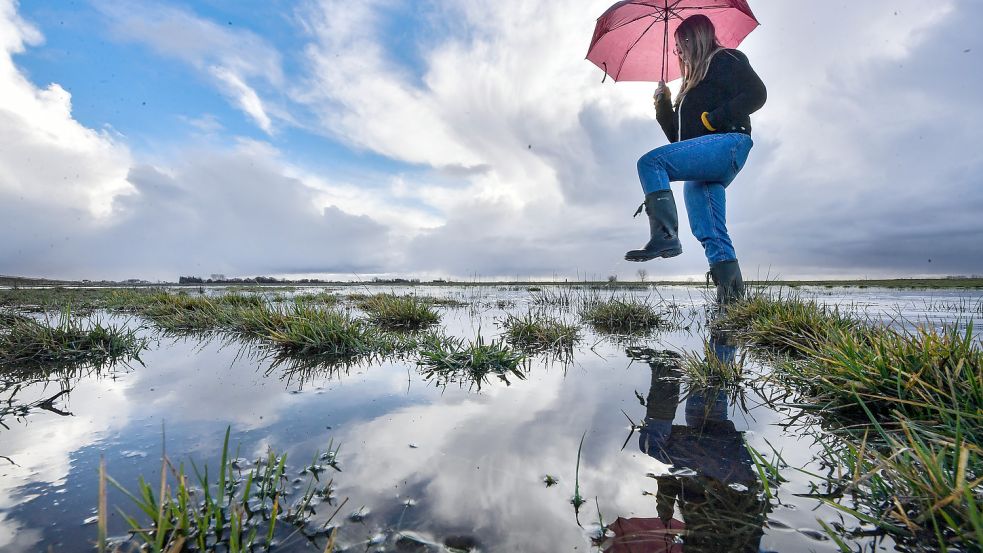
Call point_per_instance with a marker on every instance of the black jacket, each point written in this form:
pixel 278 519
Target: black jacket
pixel 730 93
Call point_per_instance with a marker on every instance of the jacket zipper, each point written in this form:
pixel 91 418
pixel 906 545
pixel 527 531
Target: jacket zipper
pixel 679 120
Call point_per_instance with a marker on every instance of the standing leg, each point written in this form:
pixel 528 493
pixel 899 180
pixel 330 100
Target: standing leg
pixel 706 206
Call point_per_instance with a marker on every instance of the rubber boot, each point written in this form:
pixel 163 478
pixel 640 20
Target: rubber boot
pixel 730 286
pixel 663 228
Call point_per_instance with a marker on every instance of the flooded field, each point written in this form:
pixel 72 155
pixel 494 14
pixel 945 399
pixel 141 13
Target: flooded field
pixel 607 443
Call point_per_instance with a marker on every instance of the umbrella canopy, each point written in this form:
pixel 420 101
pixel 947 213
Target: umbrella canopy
pixel 633 39
pixel 651 535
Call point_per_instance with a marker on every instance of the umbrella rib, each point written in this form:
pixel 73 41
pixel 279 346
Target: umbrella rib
pixel 615 28
pixel 637 40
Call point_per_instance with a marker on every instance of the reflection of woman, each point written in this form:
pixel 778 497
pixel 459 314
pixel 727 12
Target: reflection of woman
pixel 718 497
pixel 709 128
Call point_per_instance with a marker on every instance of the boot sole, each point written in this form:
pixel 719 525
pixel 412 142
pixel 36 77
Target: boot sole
pixel 662 254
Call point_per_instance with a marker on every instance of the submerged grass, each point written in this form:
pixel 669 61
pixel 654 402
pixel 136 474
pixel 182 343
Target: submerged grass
pixel 67 342
pixel 921 492
pixel 536 332
pixel 230 513
pixel 448 359
pixel 399 312
pixel 711 367
pixel 786 324
pixel 905 407
pixel 934 377
pixel 304 330
pixel 627 315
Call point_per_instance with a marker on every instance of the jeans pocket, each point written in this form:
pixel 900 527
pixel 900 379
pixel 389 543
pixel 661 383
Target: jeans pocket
pixel 741 150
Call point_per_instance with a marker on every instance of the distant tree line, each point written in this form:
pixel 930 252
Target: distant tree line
pixel 247 280
pixel 273 280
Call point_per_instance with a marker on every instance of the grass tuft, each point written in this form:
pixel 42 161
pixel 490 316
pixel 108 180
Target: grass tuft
pixel 624 316
pixel 65 343
pixel 451 359
pixel 536 332
pixel 931 376
pixel 228 512
pixel 785 324
pixel 713 367
pixel 905 406
pixel 399 312
pixel 302 329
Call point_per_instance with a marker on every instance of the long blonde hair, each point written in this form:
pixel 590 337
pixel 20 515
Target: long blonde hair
pixel 697 39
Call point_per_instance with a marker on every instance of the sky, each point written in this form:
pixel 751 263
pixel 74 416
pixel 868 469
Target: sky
pixel 466 139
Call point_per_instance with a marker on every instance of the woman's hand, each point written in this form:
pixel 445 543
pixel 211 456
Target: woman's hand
pixel 661 91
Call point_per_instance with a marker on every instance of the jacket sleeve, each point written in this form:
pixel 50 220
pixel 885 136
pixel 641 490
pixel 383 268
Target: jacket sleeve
pixel 666 117
pixel 751 94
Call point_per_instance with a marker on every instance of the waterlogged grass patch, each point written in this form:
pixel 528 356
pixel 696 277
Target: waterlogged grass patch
pixel 553 297
pixel 449 359
pixel 182 312
pixel 931 376
pixel 229 512
pixel 716 365
pixel 536 332
pixel 786 324
pixel 306 330
pixel 27 343
pixel 320 298
pixel 905 408
pixel 624 316
pixel 926 494
pixel 400 312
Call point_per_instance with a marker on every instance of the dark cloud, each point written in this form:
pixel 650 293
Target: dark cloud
pixel 217 212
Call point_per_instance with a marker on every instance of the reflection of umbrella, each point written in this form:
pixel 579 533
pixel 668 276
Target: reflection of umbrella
pixel 648 535
pixel 633 38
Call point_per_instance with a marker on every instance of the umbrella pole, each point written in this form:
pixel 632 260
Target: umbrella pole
pixel 665 44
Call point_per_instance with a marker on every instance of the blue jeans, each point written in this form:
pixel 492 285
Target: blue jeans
pixel 708 164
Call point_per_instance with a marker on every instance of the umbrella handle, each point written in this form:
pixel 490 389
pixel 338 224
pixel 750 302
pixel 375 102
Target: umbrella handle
pixel 605 64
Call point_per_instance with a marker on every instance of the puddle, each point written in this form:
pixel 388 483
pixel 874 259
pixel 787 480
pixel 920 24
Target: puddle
pixel 428 466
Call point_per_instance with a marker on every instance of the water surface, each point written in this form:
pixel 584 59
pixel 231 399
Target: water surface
pixel 426 464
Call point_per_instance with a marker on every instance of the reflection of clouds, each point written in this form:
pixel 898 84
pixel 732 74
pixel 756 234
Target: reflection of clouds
pixel 188 381
pixel 481 459
pixel 43 444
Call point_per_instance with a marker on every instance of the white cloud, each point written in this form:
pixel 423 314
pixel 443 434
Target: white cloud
pixel 45 154
pixel 245 97
pixel 508 91
pixel 235 60
pixel 524 163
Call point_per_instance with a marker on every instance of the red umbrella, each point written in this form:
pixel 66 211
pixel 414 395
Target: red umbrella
pixel 648 535
pixel 633 38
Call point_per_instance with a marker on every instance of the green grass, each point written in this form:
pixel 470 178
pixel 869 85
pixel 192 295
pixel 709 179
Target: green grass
pixel 784 323
pixel 399 312
pixel 706 369
pixel 321 298
pixel 535 332
pixel 626 315
pixel 78 300
pixel 222 509
pixel 186 313
pixel 932 376
pixel 304 330
pixel 65 342
pixel 924 493
pixel 904 409
pixel 448 359
pixel 553 296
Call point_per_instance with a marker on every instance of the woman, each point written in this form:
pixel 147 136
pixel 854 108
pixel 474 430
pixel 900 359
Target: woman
pixel 710 133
